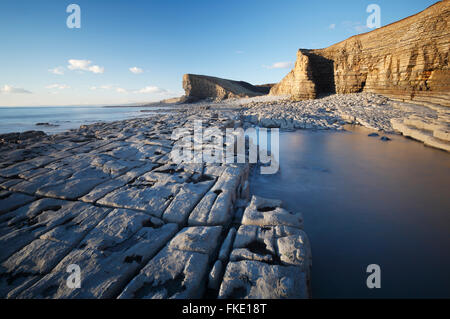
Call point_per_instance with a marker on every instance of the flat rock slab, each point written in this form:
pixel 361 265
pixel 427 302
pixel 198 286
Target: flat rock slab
pixel 108 257
pixel 197 239
pixel 180 270
pixel 10 201
pixel 257 280
pixel 171 274
pixel 79 184
pixel 216 207
pixel 40 256
pixel 151 198
pixel 271 256
pixel 185 201
pixel 268 212
pixel 281 245
pixel 27 223
pixel 110 185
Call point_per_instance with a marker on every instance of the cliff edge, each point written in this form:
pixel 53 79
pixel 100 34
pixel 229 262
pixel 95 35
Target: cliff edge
pixel 199 87
pixel 406 60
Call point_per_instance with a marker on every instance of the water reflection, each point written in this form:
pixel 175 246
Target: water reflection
pixel 367 201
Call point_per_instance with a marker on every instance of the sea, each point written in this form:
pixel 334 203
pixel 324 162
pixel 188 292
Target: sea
pixel 62 118
pixel 367 202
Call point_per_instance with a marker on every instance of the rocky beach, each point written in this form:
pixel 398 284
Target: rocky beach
pixel 109 198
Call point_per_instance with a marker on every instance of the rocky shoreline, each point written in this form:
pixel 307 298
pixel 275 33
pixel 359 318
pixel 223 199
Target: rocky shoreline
pixel 429 123
pixel 107 197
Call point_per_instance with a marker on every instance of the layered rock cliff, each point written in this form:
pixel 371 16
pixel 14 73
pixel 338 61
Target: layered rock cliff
pixel 406 60
pixel 202 86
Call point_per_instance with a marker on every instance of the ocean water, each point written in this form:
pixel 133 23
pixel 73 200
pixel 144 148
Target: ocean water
pixel 366 201
pixel 20 119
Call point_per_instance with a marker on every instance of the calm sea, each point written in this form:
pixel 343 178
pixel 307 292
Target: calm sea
pixel 20 119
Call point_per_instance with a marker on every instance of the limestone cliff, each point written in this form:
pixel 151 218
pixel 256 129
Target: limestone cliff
pixel 202 86
pixel 406 60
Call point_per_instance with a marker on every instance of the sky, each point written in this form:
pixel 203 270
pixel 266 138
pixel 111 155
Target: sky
pixel 136 51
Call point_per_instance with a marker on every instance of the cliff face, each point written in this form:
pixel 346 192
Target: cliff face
pixel 407 60
pixel 201 86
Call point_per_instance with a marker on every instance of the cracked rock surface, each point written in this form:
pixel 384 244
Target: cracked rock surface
pixel 108 198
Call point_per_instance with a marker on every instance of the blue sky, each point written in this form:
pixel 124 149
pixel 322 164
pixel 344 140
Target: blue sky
pixel 42 62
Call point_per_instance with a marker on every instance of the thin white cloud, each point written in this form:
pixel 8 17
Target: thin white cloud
pixel 121 90
pixel 280 65
pixel 85 65
pixel 145 90
pixel 14 90
pixel 239 52
pixel 135 70
pixel 102 87
pixel 58 70
pixel 57 86
pixel 332 26
pixel 151 89
pixel 355 26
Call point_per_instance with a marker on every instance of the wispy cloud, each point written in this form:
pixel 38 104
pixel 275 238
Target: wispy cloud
pixel 332 26
pixel 58 70
pixel 102 87
pixel 239 52
pixel 136 70
pixel 280 65
pixel 121 90
pixel 146 90
pixel 14 90
pixel 85 65
pixel 57 86
pixel 355 26
pixel 151 89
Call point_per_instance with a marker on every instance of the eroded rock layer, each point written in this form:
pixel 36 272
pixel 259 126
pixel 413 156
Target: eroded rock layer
pixel 198 87
pixel 406 60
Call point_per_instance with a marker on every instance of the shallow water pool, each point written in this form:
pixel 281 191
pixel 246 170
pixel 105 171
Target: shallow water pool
pixel 364 202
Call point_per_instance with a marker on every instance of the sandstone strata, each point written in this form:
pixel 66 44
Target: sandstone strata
pixel 406 60
pixel 201 87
